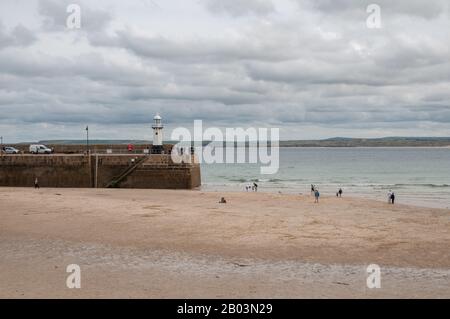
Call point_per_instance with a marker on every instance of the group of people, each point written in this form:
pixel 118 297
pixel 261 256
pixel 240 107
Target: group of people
pixel 316 193
pixel 391 197
pixel 253 188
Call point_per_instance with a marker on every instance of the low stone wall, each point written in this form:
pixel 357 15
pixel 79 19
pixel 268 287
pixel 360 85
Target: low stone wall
pixel 51 171
pixel 156 171
pixel 94 148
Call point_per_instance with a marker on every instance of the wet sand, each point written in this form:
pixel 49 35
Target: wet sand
pixel 184 244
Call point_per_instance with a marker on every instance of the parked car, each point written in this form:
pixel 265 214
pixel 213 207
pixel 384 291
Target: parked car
pixel 10 150
pixel 39 149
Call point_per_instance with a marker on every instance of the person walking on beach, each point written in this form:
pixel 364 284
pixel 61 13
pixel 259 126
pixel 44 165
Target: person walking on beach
pixel 389 197
pixel 316 195
pixel 340 192
pixel 312 189
pixel 255 187
pixel 36 183
pixel 392 198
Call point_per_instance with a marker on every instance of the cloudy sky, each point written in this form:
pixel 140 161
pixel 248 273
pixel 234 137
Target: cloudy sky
pixel 312 68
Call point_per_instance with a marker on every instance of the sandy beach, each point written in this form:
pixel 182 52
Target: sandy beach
pixel 184 244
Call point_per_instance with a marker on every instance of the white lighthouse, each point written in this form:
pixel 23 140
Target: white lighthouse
pixel 157 135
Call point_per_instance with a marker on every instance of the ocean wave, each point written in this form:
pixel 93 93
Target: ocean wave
pixel 424 185
pixel 383 186
pixel 300 182
pixel 260 180
pixel 239 180
pixel 276 180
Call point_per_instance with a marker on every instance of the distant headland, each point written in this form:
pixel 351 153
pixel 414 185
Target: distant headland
pixel 329 142
pixel 371 142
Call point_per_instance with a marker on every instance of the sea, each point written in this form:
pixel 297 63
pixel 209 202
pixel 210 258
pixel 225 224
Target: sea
pixel 417 175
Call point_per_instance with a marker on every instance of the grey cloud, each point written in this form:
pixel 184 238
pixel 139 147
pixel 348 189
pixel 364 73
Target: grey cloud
pixel 238 8
pixel 194 50
pixel 292 73
pixel 426 9
pixel 87 66
pixel 22 36
pixel 18 36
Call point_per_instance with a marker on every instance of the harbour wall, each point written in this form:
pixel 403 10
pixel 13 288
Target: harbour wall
pixel 98 170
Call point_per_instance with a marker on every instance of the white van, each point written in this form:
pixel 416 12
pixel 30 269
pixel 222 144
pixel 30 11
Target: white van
pixel 39 149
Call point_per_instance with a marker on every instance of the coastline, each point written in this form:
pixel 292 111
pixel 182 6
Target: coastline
pixel 171 235
pixel 416 175
pixel 402 199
